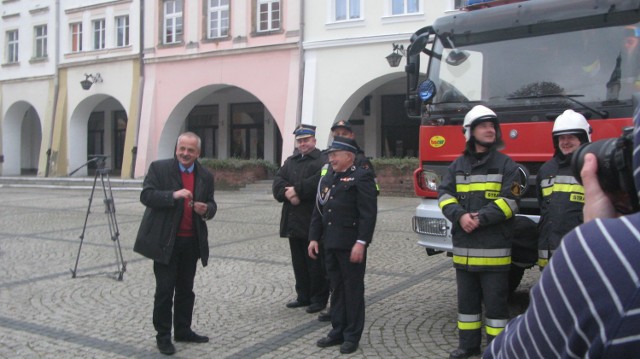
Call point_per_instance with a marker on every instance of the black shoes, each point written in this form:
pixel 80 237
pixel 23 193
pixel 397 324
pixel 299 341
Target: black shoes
pixel 328 342
pixel 191 337
pixel 297 304
pixel 348 347
pixel 464 353
pixel 315 307
pixel 324 317
pixel 165 346
pixel 345 347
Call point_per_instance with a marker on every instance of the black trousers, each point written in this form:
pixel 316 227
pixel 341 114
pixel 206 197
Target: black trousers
pixel 492 288
pixel 311 282
pixel 174 288
pixel 347 296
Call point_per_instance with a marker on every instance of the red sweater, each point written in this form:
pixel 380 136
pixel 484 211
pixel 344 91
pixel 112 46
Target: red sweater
pixel 186 223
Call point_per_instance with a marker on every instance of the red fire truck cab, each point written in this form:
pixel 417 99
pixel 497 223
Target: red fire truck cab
pixel 528 61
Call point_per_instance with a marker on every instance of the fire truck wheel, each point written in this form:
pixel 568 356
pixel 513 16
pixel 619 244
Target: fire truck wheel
pixel 515 277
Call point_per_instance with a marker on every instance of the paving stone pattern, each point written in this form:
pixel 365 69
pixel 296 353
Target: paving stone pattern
pixel 240 296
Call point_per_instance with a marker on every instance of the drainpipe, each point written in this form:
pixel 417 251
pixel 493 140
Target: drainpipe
pixel 56 85
pixel 134 150
pixel 301 66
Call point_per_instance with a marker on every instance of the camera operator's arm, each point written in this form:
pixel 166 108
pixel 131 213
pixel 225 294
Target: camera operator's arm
pixel 596 202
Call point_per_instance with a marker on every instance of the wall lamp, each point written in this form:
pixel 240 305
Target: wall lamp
pixel 395 57
pixel 90 80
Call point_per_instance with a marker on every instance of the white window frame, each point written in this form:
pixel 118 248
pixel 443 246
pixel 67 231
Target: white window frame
pixel 348 8
pixel 270 15
pixel 75 32
pixel 13 46
pixel 122 30
pixel 40 41
pixel 218 13
pixel 172 22
pixel 99 34
pixel 405 7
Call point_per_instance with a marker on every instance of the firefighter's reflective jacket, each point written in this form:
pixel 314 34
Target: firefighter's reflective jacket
pixel 490 186
pixel 561 199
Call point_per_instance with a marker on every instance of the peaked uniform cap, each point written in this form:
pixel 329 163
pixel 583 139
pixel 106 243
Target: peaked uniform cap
pixel 342 123
pixel 343 144
pixel 304 131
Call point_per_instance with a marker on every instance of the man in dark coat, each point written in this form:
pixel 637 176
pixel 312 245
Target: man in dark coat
pixel 295 187
pixel 343 221
pixel 343 128
pixel 178 194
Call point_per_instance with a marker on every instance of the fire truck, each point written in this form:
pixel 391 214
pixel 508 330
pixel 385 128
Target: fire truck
pixel 528 61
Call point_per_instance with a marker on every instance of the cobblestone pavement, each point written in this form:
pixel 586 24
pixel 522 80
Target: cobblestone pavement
pixel 240 296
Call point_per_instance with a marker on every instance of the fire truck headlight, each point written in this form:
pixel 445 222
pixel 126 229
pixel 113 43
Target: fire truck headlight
pixel 426 90
pixel 431 180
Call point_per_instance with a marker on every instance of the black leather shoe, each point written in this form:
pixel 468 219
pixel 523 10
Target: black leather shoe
pixel 328 342
pixel 192 338
pixel 324 317
pixel 464 353
pixel 348 347
pixel 165 346
pixel 315 307
pixel 297 304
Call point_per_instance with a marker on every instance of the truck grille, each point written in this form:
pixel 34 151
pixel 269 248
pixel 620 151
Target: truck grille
pixel 430 226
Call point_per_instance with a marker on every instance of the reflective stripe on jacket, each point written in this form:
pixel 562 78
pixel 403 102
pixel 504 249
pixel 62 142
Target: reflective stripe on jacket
pixel 490 187
pixel 561 199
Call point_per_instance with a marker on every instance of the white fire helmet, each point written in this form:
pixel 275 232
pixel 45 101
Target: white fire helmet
pixel 571 122
pixel 479 113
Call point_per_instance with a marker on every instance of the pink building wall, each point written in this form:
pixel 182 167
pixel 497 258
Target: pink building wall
pixel 172 89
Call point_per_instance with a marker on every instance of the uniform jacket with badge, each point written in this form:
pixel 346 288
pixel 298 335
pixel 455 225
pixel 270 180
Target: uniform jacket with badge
pixel 161 219
pixel 362 160
pixel 346 209
pixel 489 185
pixel 561 199
pixel 303 173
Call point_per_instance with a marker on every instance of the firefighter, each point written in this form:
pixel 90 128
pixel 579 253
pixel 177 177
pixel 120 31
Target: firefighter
pixel 342 128
pixel 479 195
pixel 560 196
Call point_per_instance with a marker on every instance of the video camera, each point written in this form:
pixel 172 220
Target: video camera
pixel 615 169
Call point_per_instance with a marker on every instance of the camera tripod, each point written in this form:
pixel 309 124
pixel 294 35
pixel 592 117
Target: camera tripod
pixel 110 210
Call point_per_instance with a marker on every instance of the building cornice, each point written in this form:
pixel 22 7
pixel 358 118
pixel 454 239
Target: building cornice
pixel 356 41
pixel 39 10
pixel 96 6
pixel 22 80
pixel 97 62
pixel 10 16
pixel 219 53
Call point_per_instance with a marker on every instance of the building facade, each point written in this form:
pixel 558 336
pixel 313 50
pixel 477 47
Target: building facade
pixel 120 79
pixel 27 81
pixel 227 70
pixel 348 77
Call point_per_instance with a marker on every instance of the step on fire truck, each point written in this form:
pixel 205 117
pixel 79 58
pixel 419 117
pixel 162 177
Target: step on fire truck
pixel 528 61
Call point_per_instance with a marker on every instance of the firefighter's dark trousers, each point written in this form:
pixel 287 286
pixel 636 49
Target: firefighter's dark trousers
pixel 474 288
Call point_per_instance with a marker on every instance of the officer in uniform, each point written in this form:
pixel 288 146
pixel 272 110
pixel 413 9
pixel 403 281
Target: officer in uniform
pixel 479 195
pixel 342 128
pixel 344 219
pixel 560 196
pixel 295 187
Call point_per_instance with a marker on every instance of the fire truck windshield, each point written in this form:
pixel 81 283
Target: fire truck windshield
pixel 591 68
